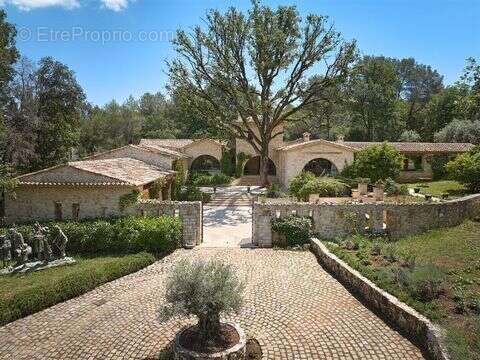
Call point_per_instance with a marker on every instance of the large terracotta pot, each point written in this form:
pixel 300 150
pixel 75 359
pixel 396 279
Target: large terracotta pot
pixel 236 352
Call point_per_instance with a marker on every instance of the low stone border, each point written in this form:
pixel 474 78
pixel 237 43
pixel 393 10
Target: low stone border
pixel 409 321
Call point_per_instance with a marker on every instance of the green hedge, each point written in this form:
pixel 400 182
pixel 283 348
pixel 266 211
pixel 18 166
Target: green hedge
pixel 193 193
pixel 296 229
pixel 120 235
pixel 25 294
pixel 203 178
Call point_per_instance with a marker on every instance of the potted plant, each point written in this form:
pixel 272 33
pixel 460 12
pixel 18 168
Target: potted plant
pixel 206 289
pixel 378 190
pixel 363 186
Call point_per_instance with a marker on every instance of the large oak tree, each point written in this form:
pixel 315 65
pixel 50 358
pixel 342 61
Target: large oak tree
pixel 250 70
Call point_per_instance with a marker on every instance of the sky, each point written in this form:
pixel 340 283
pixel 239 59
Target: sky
pixel 119 48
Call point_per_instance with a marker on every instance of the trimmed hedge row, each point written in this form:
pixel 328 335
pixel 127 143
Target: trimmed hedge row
pixel 120 235
pixel 74 280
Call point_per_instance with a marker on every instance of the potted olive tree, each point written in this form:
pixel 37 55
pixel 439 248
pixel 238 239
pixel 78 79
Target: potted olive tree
pixel 206 289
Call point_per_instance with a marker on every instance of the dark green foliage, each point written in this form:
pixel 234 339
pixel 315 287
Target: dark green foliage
pixel 193 193
pixel 179 179
pixel 55 285
pixel 130 234
pixel 299 181
pixel 392 188
pixel 466 170
pixel 129 199
pixel 241 160
pixel 296 229
pixel 226 164
pixel 60 105
pixel 377 162
pixel 438 162
pixel 274 191
pixel 203 178
pixel 325 187
pixel 8 54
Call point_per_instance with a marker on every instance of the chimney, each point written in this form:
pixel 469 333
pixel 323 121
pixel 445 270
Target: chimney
pixel 340 138
pixel 306 136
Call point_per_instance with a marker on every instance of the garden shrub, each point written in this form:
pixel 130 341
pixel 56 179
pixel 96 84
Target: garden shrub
pixel 193 193
pixel 203 178
pixel 299 181
pixel 119 235
pixel 296 229
pixel 274 191
pixel 425 283
pixel 392 188
pixel 410 136
pixel 377 162
pixel 149 234
pixel 179 179
pixel 466 170
pixel 437 163
pixel 42 294
pixel 325 187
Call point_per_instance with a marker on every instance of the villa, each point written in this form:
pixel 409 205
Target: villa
pixel 94 187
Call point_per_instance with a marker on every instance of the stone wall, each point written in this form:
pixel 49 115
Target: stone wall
pixel 189 211
pixel 414 325
pixel 37 203
pixel 396 220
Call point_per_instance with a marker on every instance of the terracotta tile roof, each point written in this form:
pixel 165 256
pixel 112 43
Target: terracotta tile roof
pixel 171 143
pixel 164 151
pixel 49 183
pixel 126 170
pixel 416 147
pixel 301 144
pixel 175 143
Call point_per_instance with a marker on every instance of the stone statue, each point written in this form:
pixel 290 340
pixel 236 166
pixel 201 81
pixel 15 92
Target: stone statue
pixel 41 247
pixel 59 242
pixel 20 249
pixel 5 250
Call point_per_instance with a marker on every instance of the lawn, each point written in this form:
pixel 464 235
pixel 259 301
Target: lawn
pixel 24 294
pixel 437 273
pixel 438 188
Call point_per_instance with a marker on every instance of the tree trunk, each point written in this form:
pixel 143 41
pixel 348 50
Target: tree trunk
pixel 264 168
pixel 209 327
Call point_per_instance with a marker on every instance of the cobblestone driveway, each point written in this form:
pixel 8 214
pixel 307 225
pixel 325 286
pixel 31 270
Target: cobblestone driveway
pixel 292 306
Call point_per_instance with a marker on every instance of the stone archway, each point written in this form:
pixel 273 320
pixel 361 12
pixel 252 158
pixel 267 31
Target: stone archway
pixel 252 167
pixel 205 163
pixel 321 167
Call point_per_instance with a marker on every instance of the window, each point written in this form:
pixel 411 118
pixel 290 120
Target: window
pixel 75 211
pixel 58 211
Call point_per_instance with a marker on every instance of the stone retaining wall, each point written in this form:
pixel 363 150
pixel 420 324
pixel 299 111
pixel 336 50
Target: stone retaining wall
pixel 406 319
pixel 396 220
pixel 189 211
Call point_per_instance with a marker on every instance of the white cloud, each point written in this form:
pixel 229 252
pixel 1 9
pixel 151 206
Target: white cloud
pixel 34 4
pixel 116 5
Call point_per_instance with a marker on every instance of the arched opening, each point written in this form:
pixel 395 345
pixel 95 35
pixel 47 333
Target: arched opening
pixel 252 167
pixel 321 167
pixel 205 163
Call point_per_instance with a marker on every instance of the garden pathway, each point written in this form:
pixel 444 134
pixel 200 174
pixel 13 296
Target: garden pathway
pixel 227 226
pixel 292 306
